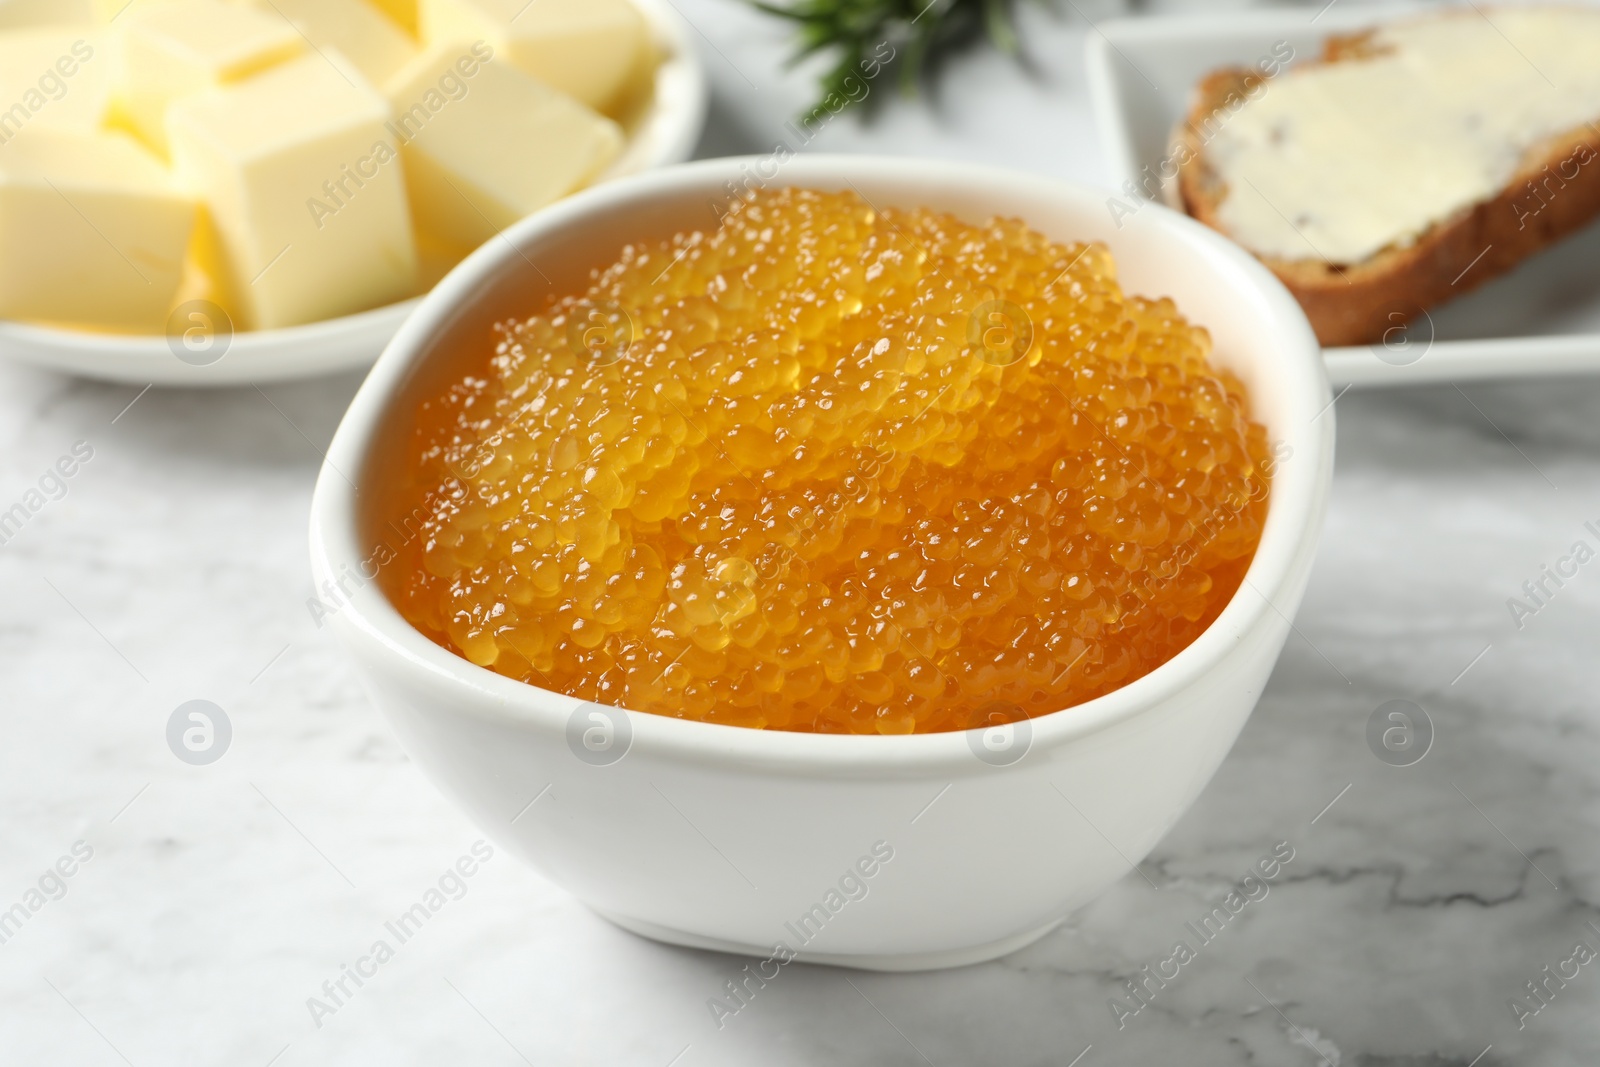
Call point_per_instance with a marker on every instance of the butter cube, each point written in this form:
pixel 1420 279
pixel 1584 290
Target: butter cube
pixel 171 50
pixel 56 76
pixel 371 42
pixel 402 12
pixel 43 12
pixel 203 275
pixel 92 231
pixel 588 49
pixel 306 192
pixel 484 144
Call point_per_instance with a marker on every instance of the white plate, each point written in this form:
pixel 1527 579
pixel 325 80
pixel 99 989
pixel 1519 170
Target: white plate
pixel 667 133
pixel 1542 319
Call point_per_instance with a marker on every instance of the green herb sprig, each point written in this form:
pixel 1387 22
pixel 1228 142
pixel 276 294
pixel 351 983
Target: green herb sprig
pixel 917 33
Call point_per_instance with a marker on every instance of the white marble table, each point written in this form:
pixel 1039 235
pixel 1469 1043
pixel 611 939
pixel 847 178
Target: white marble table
pixel 219 898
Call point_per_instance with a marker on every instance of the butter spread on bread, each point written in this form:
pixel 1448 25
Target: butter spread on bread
pixel 1407 165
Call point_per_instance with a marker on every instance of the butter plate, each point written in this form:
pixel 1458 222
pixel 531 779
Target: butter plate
pixel 1541 320
pixel 666 133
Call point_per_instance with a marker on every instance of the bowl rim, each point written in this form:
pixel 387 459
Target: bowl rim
pixel 673 127
pixel 1282 558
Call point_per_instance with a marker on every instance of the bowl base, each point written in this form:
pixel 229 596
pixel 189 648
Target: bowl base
pixel 908 961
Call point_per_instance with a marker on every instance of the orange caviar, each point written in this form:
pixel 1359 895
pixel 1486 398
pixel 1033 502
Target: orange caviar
pixel 833 469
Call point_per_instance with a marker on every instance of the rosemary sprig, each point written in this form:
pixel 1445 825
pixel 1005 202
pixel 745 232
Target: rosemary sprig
pixel 867 35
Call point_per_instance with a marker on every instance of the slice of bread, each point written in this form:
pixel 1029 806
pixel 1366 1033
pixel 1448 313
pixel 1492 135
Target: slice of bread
pixel 1554 192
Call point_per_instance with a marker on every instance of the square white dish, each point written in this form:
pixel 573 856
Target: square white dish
pixel 1542 319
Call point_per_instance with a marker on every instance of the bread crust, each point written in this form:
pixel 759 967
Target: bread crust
pixel 1555 192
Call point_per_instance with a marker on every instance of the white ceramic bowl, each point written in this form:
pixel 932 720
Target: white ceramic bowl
pixel 717 836
pixel 665 134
